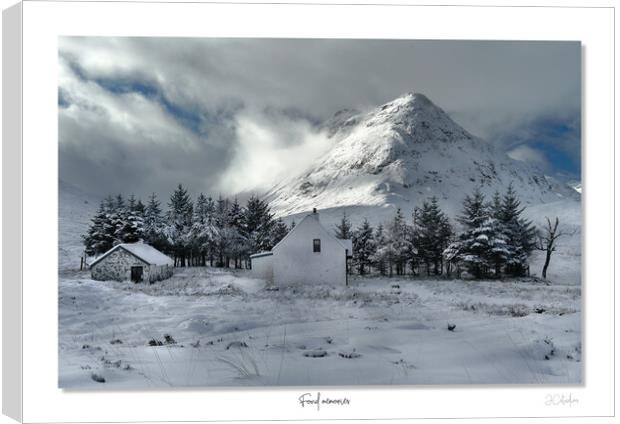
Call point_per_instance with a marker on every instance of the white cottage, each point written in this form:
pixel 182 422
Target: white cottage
pixel 135 262
pixel 308 254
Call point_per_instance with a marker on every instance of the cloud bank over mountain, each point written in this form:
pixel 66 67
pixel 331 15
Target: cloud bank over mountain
pixel 232 115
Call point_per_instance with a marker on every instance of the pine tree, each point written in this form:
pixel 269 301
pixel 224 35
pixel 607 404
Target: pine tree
pixel 400 237
pixel 499 249
pixel 237 246
pixel 444 237
pixel 280 230
pixel 451 255
pixel 396 246
pixel 179 223
pixel 140 208
pixel 132 229
pixel 379 257
pixel 224 237
pixel 364 247
pixel 154 225
pixel 119 219
pixel 235 215
pixel 432 235
pixel 258 225
pixel 343 228
pixel 210 219
pixel 473 245
pixel 100 235
pixel 127 220
pixel 414 252
pixel 203 233
pixel 520 233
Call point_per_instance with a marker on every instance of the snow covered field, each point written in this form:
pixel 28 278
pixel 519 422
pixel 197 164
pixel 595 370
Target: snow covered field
pixel 222 328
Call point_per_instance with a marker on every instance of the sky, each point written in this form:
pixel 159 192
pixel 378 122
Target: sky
pixel 233 116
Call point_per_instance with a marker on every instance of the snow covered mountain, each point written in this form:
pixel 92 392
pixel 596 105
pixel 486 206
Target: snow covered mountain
pixel 575 185
pixel 399 154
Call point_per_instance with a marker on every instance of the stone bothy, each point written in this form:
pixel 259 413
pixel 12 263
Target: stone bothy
pixel 137 262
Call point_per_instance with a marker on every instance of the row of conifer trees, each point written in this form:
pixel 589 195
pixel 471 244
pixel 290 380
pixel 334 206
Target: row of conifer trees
pixel 206 231
pixel 493 240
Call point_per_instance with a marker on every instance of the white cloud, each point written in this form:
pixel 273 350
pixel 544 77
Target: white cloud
pixel 530 155
pixel 137 118
pixel 491 88
pixel 268 149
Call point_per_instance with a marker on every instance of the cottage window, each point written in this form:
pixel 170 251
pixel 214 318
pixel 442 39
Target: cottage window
pixel 316 245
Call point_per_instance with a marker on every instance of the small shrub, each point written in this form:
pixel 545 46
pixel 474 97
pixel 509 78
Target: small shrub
pixel 116 341
pixel 549 342
pixel 169 340
pixel 315 354
pixel 154 342
pixel 349 355
pixel 97 378
pixel 451 327
pixel 236 344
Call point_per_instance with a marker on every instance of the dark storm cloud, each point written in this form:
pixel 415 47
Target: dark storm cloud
pixel 235 114
pixel 109 162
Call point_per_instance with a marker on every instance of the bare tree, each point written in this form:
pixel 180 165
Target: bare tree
pixel 546 242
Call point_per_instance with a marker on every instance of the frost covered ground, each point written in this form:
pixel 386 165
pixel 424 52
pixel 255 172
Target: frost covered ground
pixel 226 329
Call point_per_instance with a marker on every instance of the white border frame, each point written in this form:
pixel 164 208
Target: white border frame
pixel 45 21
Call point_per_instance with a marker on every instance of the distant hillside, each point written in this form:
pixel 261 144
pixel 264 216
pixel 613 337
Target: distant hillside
pixel 75 209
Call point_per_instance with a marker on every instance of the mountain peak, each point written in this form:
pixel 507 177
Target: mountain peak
pixel 416 115
pixel 401 152
pixel 414 97
pixel 410 103
pixel 411 99
pixel 407 111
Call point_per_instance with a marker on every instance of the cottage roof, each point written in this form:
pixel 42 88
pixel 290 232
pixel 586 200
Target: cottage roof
pixel 142 251
pixel 261 254
pixel 346 244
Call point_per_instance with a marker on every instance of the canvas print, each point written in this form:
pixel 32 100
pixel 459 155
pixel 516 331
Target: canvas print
pixel 318 212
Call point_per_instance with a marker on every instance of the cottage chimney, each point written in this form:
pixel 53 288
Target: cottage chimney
pixel 315 214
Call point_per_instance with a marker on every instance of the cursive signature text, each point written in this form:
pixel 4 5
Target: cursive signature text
pixel 316 401
pixel 560 399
